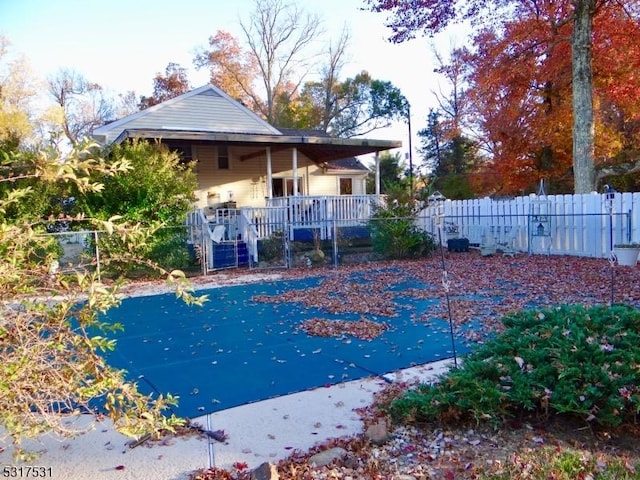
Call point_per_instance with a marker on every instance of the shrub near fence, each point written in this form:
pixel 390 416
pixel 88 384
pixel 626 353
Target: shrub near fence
pixel 583 225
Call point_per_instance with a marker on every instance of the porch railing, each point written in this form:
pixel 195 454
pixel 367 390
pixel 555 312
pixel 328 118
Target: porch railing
pixel 323 214
pixel 312 211
pixel 267 221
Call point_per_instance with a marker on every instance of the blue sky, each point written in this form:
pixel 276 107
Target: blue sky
pixel 122 44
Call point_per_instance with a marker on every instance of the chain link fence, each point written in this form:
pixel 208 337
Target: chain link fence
pixel 205 249
pixel 108 255
pixel 208 247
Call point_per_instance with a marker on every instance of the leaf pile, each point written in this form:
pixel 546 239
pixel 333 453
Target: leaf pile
pixel 340 292
pixel 363 329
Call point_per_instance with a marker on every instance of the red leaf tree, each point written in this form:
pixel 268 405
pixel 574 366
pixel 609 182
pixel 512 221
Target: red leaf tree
pixel 543 77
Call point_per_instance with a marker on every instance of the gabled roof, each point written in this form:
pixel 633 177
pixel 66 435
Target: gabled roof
pixel 205 109
pixel 207 114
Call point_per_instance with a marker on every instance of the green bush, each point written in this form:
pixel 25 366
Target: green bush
pixel 157 188
pixel 565 360
pixel 169 249
pixel 394 233
pixel 156 193
pixel 163 246
pixel 271 248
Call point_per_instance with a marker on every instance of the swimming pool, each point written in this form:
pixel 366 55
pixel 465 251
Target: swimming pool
pixel 236 350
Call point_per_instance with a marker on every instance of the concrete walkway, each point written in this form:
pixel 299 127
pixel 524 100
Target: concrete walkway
pixel 266 431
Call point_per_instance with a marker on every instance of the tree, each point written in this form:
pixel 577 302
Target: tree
pixel 83 104
pixel 174 82
pixel 126 104
pixel 50 362
pixel 391 174
pixel 453 103
pixel 315 106
pixel 278 36
pixel 232 68
pixel 617 51
pixel 17 90
pixel 520 93
pixel 449 154
pixel 449 159
pixel 520 80
pixel 357 105
pixel 433 16
pixel 155 193
pixel 380 103
pixel 432 139
pixel 584 177
pixel 331 72
pixel 157 187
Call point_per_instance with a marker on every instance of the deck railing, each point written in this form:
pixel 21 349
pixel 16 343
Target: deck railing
pixel 281 217
pixel 312 211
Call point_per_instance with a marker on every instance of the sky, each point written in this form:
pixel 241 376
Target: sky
pixel 122 44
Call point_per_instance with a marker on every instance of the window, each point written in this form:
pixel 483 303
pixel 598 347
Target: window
pixel 184 151
pixel 223 157
pixel 346 186
pixel 283 187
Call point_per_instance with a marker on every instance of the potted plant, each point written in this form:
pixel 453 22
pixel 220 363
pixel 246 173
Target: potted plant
pixel 627 253
pixel 213 198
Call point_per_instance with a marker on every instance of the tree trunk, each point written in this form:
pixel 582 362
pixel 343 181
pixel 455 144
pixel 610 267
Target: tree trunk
pixel 583 122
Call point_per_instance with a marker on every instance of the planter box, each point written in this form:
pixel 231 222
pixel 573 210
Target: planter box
pixel 627 256
pixel 458 244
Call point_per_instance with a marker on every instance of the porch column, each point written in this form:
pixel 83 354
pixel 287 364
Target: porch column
pixel 269 174
pixel 377 156
pixel 294 168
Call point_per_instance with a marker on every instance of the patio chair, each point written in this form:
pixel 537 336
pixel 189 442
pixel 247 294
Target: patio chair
pixel 507 245
pixel 488 245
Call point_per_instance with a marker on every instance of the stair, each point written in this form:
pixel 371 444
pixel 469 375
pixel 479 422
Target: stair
pixel 224 254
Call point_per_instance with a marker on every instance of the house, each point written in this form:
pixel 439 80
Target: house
pixel 246 167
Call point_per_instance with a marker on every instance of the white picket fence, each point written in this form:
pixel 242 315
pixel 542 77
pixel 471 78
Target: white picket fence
pixel 582 225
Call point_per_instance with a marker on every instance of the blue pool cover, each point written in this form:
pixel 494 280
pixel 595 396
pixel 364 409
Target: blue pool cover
pixel 235 350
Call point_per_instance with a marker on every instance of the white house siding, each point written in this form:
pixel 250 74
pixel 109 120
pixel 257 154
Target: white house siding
pixel 247 179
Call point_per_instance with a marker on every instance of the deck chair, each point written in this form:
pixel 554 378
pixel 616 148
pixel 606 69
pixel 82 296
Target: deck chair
pixel 507 244
pixel 488 245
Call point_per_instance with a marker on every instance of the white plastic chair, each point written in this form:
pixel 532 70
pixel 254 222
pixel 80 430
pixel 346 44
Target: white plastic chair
pixel 217 235
pixel 507 245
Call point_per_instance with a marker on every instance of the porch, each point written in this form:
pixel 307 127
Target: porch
pixel 228 237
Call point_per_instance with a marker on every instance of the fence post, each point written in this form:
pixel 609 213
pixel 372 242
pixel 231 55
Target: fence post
pixel 95 237
pixel 335 243
pixel 287 247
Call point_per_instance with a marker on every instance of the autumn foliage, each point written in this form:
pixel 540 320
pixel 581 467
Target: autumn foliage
pixel 518 71
pixel 520 89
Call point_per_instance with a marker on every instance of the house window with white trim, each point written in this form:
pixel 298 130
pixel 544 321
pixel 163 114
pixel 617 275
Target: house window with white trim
pixel 346 186
pixel 223 157
pixel 283 187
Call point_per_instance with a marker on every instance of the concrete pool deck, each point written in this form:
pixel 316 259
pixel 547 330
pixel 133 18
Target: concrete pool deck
pixel 265 431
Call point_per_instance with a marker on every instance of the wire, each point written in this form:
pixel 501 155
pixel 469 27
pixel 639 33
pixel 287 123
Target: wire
pixel 446 285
